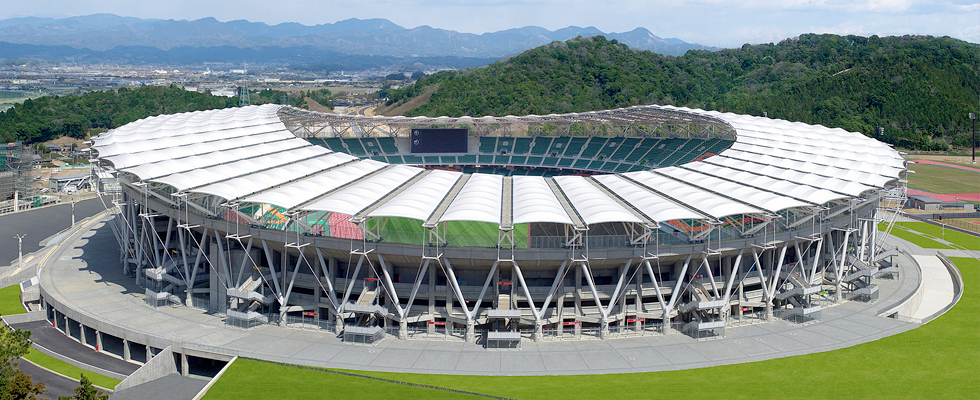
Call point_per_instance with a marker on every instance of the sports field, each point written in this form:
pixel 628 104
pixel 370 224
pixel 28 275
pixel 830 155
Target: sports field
pixel 939 179
pixel 456 233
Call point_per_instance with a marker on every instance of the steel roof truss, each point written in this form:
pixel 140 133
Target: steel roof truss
pixel 433 219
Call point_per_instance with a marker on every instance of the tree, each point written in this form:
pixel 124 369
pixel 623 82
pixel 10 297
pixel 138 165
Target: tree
pixel 922 88
pixel 21 387
pixel 15 384
pixel 86 391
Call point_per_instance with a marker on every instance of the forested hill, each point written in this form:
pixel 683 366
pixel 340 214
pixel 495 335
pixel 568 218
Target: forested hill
pixel 48 117
pixel 920 89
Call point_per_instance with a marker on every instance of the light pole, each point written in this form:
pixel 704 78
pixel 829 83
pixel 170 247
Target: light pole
pixel 20 253
pixel 73 212
pixel 973 119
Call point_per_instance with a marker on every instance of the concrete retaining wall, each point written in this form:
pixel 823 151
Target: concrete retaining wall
pixel 158 367
pixel 32 316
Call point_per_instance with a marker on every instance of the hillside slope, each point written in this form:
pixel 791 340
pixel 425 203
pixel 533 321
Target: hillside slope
pixel 920 89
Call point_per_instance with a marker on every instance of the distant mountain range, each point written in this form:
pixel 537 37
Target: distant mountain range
pixel 107 35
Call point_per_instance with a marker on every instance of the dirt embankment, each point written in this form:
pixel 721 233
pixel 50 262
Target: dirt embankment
pixel 418 101
pixel 314 106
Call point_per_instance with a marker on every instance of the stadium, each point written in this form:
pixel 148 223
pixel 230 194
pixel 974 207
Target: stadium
pixel 498 230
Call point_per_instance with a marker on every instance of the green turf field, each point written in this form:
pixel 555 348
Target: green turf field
pixel 67 369
pixel 939 179
pixel 909 231
pixel 937 360
pixel 457 233
pixel 10 301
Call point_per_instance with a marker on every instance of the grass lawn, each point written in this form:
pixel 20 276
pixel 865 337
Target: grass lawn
pixel 67 369
pixel 10 301
pixel 939 179
pixel 249 379
pixel 919 240
pixel 937 360
pixel 959 238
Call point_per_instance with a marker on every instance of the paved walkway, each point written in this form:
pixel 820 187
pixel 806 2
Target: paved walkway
pixel 56 218
pixel 170 387
pixel 85 273
pixel 937 286
pixel 55 385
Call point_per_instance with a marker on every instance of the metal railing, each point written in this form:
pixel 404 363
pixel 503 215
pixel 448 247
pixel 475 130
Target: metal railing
pixel 431 332
pixel 646 328
pixel 205 304
pixel 591 332
pixel 307 322
pixel 965 225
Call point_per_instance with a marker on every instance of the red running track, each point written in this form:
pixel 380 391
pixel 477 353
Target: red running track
pixel 947 197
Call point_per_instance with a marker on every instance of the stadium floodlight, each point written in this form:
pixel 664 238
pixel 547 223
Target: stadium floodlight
pixel 20 253
pixel 973 118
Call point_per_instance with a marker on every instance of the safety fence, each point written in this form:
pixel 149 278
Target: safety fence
pixel 308 322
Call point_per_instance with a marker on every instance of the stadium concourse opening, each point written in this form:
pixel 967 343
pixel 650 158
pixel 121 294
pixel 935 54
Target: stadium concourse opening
pixel 637 221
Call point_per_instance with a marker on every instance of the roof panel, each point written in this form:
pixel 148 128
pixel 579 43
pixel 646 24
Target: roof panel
pixel 292 194
pixel 766 200
pixel 479 200
pixel 800 191
pixel 697 198
pixel 210 175
pixel 536 202
pixel 592 204
pixel 365 192
pixel 649 203
pixel 419 200
pixel 245 185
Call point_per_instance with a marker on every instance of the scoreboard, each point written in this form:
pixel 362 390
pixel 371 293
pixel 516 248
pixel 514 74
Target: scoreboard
pixel 435 140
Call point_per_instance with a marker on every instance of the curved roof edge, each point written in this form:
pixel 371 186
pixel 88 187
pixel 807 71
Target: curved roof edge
pixel 246 154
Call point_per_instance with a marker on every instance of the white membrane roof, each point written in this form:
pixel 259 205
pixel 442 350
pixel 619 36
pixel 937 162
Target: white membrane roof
pixel 247 154
pixel 593 205
pixel 419 200
pixel 537 202
pixel 479 200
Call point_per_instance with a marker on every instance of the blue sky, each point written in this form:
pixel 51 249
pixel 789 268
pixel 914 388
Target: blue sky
pixel 722 23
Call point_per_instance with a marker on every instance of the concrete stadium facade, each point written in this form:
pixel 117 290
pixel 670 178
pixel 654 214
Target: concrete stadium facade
pixel 237 212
